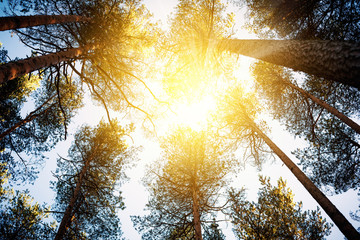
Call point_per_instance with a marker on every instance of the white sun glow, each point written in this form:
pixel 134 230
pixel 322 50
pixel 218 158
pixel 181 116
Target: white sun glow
pixel 193 115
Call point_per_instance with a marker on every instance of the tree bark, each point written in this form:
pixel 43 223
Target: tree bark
pixel 196 214
pixel 66 220
pixel 195 202
pixel 15 22
pixel 11 70
pixel 336 216
pixel 329 108
pixel 338 61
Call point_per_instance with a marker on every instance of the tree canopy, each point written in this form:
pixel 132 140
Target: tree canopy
pixel 19 217
pixel 184 185
pixel 275 215
pixel 112 54
pixel 313 19
pixel 87 186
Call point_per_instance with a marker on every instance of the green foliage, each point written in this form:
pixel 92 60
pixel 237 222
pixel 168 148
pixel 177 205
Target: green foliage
pixel 55 105
pixel 311 19
pixel 193 167
pixel 332 157
pixel 275 215
pixel 19 218
pixel 41 129
pixel 95 212
pixel 212 232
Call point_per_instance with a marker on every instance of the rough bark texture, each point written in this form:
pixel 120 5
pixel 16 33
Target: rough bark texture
pixel 329 108
pixel 11 70
pixel 15 22
pixel 336 216
pixel 66 220
pixel 338 61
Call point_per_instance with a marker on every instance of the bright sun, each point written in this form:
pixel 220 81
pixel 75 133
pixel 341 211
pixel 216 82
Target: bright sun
pixel 194 115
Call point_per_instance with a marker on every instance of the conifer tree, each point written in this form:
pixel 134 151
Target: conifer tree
pixel 275 215
pixel 19 217
pixel 184 186
pixel 104 52
pixel 238 111
pixel 331 159
pixel 87 186
pixel 56 101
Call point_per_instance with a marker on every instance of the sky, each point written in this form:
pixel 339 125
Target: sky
pixel 135 195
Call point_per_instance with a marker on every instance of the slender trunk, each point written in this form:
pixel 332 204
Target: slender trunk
pixel 336 216
pixel 15 22
pixel 329 108
pixel 28 118
pixel 195 202
pixel 66 220
pixel 338 61
pixel 196 214
pixel 11 70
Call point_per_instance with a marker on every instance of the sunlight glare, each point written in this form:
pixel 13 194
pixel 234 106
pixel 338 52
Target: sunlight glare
pixel 194 114
pixel 243 74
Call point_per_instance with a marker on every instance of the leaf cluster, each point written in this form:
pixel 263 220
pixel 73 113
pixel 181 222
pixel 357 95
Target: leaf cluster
pixel 331 159
pixel 19 218
pixel 311 19
pixel 105 153
pixel 275 215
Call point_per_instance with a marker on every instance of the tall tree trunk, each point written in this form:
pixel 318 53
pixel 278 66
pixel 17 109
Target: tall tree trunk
pixel 336 216
pixel 196 214
pixel 195 202
pixel 338 61
pixel 329 108
pixel 15 22
pixel 66 220
pixel 11 70
pixel 28 118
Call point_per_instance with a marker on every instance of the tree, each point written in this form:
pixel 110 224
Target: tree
pixel 15 22
pixel 12 70
pixel 192 65
pixel 312 19
pixel 264 71
pixel 337 61
pixel 275 215
pixel 332 157
pixel 19 218
pixel 55 105
pixel 184 186
pixel 106 50
pixel 238 113
pixel 212 232
pixel 87 189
